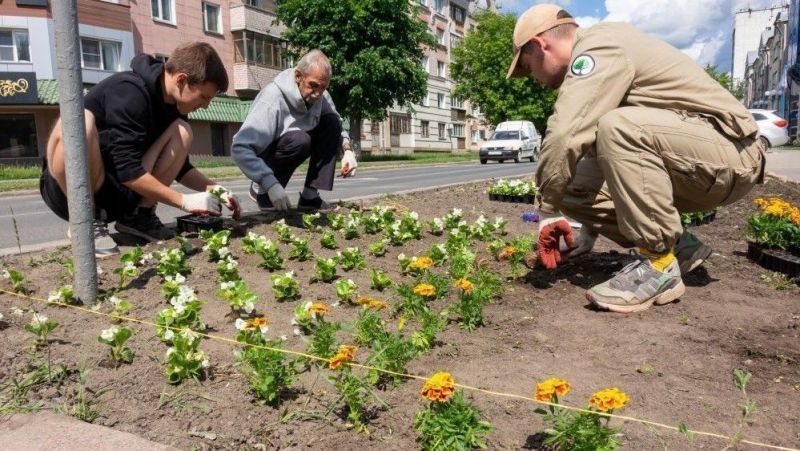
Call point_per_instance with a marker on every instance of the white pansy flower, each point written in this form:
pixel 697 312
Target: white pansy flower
pixel 54 296
pixel 190 334
pixel 99 270
pixel 204 363
pixel 227 285
pixel 109 334
pixel 115 301
pixel 414 215
pixel 169 334
pixel 38 319
pixel 249 307
pixel 170 351
pixel 401 256
pixel 224 252
pixel 240 324
pixel 6 274
pixel 283 337
pixel 16 311
pixel 179 278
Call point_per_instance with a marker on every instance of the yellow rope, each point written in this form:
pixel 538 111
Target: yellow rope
pixel 407 376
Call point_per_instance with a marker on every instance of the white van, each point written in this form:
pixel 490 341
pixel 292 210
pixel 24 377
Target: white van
pixel 513 140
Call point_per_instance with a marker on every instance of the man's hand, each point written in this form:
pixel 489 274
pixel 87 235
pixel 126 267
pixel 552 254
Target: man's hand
pixel 201 204
pixel 584 244
pixel 227 198
pixel 551 229
pixel 278 197
pixel 349 164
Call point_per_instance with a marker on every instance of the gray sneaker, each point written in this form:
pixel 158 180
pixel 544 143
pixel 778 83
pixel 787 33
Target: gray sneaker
pixel 690 252
pixel 104 245
pixel 637 286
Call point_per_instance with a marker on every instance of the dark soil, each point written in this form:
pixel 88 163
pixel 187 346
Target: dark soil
pixel 675 361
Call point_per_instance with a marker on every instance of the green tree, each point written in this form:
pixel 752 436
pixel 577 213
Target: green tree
pixel 375 47
pixel 724 79
pixel 479 69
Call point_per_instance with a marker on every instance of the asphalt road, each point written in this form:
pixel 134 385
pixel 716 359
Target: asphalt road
pixel 39 228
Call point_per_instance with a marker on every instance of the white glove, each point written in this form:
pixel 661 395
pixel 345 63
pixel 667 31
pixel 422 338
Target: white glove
pixel 201 204
pixel 585 243
pixel 349 163
pixel 278 197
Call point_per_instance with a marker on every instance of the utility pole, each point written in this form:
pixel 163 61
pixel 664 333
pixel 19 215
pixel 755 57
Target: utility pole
pixel 79 194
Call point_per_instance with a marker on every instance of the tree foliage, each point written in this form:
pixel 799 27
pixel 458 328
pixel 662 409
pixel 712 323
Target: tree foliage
pixel 479 69
pixel 724 79
pixel 375 47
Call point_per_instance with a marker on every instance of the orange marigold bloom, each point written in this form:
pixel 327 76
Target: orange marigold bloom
pixel 465 285
pixel 372 303
pixel 425 289
pixel 256 323
pixel 439 387
pixel 507 252
pixel 345 355
pixel 546 389
pixel 421 263
pixel 319 308
pixel 609 399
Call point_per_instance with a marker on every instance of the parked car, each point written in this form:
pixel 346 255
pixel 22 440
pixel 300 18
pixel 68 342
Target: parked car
pixel 512 140
pixel 773 128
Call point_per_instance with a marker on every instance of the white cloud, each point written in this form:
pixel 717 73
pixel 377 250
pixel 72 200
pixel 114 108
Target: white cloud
pixel 587 21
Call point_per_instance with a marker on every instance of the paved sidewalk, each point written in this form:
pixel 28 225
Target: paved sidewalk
pixel 785 164
pixel 47 431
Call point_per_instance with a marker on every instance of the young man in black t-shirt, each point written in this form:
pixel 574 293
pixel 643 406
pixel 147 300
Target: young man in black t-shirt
pixel 138 140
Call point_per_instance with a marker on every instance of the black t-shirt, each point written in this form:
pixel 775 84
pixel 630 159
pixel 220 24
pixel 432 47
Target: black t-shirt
pixel 130 114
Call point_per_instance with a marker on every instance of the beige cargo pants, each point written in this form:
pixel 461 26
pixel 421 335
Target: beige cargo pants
pixel 650 165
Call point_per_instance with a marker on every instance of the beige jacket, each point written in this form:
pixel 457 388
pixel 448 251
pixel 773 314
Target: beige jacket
pixel 626 67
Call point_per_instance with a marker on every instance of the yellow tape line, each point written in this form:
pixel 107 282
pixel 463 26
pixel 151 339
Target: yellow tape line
pixel 407 376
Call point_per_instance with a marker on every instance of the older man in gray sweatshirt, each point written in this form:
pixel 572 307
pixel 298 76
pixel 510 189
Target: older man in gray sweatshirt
pixel 293 119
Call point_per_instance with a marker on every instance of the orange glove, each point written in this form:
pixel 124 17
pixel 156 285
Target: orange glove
pixel 550 232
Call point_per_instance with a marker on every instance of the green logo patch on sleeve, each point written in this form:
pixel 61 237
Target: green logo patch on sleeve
pixel 582 65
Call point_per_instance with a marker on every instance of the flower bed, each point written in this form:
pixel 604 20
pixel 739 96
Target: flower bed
pixel 405 311
pixel 775 234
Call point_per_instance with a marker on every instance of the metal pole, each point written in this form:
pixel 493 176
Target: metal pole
pixel 79 195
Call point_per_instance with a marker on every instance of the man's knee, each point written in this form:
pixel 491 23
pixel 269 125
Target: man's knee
pixel 183 131
pixel 296 143
pixel 618 125
pixel 330 124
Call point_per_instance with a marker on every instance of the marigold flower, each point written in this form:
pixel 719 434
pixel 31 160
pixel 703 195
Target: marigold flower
pixel 439 387
pixel 257 322
pixel 465 285
pixel 372 303
pixel 507 252
pixel 425 289
pixel 345 355
pixel 421 263
pixel 546 389
pixel 609 399
pixel 318 308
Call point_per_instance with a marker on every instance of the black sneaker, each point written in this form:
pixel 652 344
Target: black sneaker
pixel 262 199
pixel 690 252
pixel 144 223
pixel 315 204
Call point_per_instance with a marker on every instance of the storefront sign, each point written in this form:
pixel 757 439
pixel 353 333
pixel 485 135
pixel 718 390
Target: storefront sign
pixel 18 88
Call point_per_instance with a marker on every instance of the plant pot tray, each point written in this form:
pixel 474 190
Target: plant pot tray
pixel 196 223
pixel 774 259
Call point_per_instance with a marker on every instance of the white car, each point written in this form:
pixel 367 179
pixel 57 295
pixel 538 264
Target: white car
pixel 512 140
pixel 773 128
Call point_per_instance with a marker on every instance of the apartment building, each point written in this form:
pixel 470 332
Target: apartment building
pixel 442 122
pixel 28 91
pixel 748 25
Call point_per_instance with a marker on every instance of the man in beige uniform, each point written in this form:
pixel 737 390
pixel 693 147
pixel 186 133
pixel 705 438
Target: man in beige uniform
pixel 639 134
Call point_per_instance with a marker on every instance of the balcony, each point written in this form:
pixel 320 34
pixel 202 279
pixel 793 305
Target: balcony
pixel 246 17
pixel 252 77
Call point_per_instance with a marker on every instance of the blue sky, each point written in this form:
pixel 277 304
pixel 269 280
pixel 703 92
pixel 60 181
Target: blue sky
pixel 700 28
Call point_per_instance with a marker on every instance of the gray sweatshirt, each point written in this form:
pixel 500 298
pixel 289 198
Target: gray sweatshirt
pixel 277 109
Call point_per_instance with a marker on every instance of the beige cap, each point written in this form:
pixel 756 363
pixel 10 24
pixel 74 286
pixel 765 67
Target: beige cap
pixel 536 20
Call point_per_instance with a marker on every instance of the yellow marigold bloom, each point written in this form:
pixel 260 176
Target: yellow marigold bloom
pixel 465 285
pixel 549 387
pixel 439 387
pixel 761 202
pixel 507 252
pixel 256 323
pixel 421 263
pixel 794 216
pixel 345 355
pixel 425 289
pixel 372 303
pixel 318 308
pixel 609 399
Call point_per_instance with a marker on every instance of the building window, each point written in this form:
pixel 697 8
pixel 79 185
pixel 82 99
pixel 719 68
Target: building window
pixel 458 130
pixel 426 132
pixel 212 18
pixel 256 3
pixel 399 124
pixel 454 41
pixel 260 49
pixel 218 139
pixel 439 100
pixel 438 5
pixel 441 130
pixel 14 45
pixel 426 101
pixel 17 136
pixel 425 64
pixel 457 102
pixel 440 69
pixel 161 57
pixel 102 55
pixel 163 10
pixel 457 13
pixel 440 37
